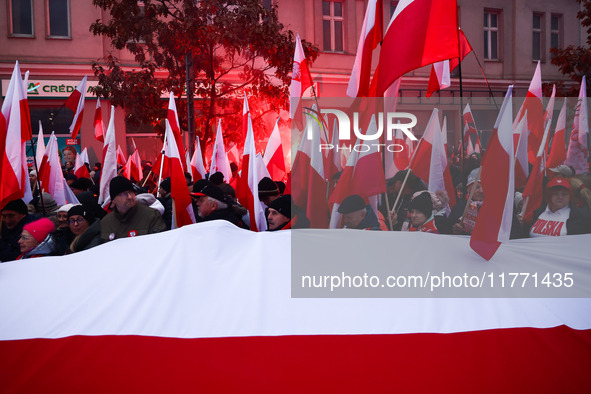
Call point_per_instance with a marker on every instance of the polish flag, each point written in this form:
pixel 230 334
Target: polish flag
pixel 84 156
pixel 40 149
pixel 469 147
pixel 363 175
pixel 197 167
pixel 173 120
pixel 15 130
pixel 430 161
pixel 521 162
pixel 219 159
pixel 421 32
pixel 121 160
pixel 533 192
pixel 234 156
pixel 143 314
pixel 371 35
pixel 398 157
pixel 469 124
pixel 447 180
pixel 301 79
pixel 99 127
pixel 308 183
pixel 50 173
pixel 557 154
pixel 274 158
pixel 248 184
pixel 109 168
pixel 535 115
pixel 80 169
pixel 578 151
pixel 76 103
pixel 493 224
pixel 245 114
pixel 440 71
pixel 133 168
pixel 182 206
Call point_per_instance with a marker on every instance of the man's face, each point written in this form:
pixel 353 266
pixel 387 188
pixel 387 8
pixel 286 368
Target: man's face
pixel 353 219
pixel 11 218
pixel 276 219
pixel 205 206
pixel 478 192
pixel 417 218
pixel 124 201
pixel 559 199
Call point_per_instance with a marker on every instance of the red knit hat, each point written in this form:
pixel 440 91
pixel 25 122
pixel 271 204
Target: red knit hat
pixel 39 229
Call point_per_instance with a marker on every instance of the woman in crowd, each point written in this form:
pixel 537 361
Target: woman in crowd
pixel 85 228
pixel 36 239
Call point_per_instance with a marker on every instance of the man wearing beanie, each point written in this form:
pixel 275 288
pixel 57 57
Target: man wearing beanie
pixel 268 190
pixel 128 218
pixel 14 217
pixel 279 214
pixel 358 215
pixel 36 239
pixel 421 214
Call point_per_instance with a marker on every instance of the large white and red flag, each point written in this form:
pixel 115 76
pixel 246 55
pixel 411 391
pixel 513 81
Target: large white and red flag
pixel 363 175
pixel 80 169
pixel 76 103
pixel 421 32
pixel 197 166
pixel 133 167
pixel 557 154
pixel 273 157
pixel 143 314
pixel 109 167
pixel 578 151
pixel 121 160
pixel 51 175
pixel 173 119
pixel 535 115
pixel 534 190
pixel 182 206
pixel 440 77
pixel 219 159
pixel 99 127
pixel 248 184
pixel 15 131
pixel 521 162
pixel 493 225
pixel 40 147
pixel 301 79
pixel 371 35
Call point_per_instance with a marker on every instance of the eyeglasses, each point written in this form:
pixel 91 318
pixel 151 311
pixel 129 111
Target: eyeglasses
pixel 25 238
pixel 76 221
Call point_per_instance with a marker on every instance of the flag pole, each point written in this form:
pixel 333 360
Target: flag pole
pixel 461 92
pixel 406 177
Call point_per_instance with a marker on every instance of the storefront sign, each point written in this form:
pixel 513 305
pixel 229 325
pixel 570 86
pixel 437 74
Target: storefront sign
pixel 52 89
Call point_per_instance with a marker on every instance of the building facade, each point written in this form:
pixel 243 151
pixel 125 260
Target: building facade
pixel 51 40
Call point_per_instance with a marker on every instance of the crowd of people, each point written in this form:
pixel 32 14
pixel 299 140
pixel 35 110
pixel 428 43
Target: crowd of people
pixel 43 228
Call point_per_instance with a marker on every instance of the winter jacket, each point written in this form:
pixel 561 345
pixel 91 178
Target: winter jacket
pixel 9 247
pixel 90 238
pixel 139 220
pixel 48 247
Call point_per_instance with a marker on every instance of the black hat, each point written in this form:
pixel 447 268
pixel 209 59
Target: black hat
pixel 70 177
pixel 81 184
pixel 281 187
pixel 422 203
pixel 82 211
pixel 118 185
pixel 351 204
pixel 165 184
pixel 211 191
pixel 267 187
pixel 217 178
pixel 282 205
pixel 16 206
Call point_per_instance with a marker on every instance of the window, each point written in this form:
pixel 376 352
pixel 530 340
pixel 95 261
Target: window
pixel 21 13
pixel 537 36
pixel 332 26
pixel 491 35
pixel 555 29
pixel 58 14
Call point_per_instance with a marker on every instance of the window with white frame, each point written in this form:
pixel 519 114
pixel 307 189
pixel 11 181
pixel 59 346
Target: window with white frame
pixel 21 18
pixel 555 31
pixel 537 45
pixel 491 34
pixel 333 31
pixel 58 16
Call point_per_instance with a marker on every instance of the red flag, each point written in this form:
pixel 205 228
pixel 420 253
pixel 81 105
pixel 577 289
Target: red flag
pixel 51 175
pixel 121 160
pixel 183 213
pixel 273 157
pixel 76 103
pixel 133 168
pixel 533 191
pixel 301 79
pixel 99 127
pixel 440 71
pixel 173 120
pixel 469 124
pixel 109 168
pixel 535 115
pixel 248 184
pixel 371 35
pixel 80 169
pixel 421 32
pixel 577 153
pixel 197 167
pixel 493 224
pixel 40 148
pixel 558 150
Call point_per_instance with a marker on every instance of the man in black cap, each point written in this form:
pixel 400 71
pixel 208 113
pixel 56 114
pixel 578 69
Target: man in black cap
pixel 279 214
pixel 268 190
pixel 358 215
pixel 14 217
pixel 394 187
pixel 212 205
pixel 421 214
pixel 128 218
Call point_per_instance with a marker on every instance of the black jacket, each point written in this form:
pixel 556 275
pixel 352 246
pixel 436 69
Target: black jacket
pixel 9 247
